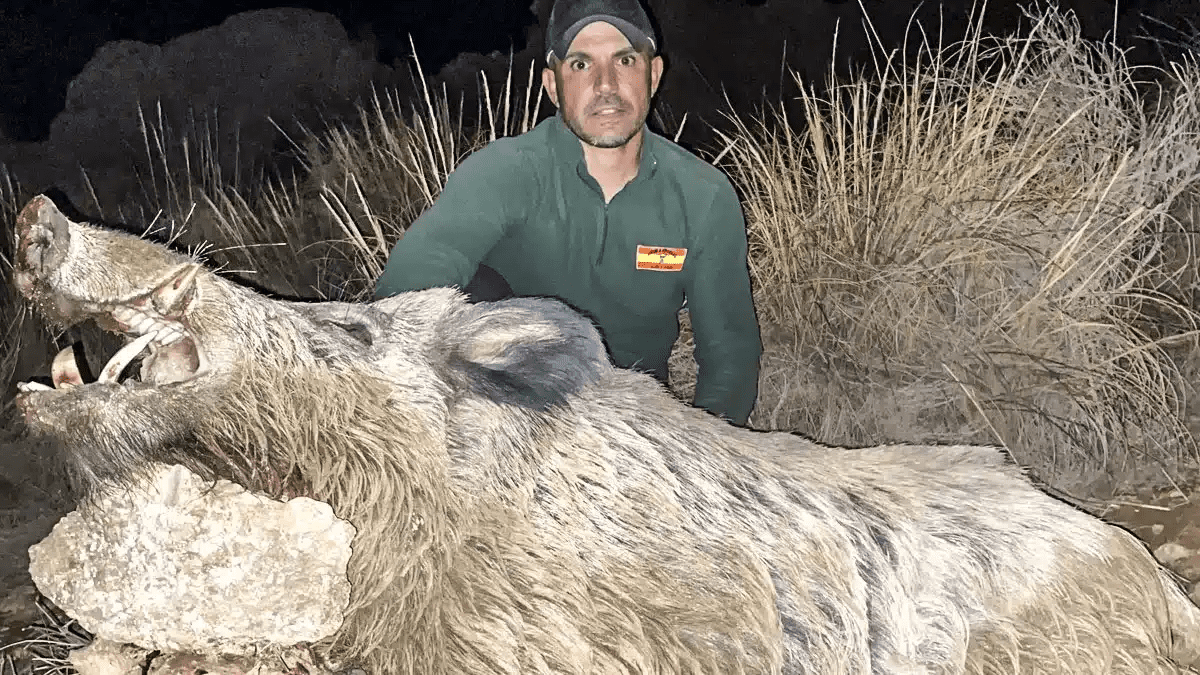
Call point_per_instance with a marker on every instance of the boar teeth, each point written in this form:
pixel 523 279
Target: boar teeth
pixel 141 323
pixel 32 386
pixel 112 369
pixel 125 315
pixel 169 336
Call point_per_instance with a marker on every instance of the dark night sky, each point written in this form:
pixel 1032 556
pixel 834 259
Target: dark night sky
pixel 44 43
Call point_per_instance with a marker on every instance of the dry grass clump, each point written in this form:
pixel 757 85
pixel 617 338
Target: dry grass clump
pixel 969 246
pixel 49 644
pixel 16 326
pixel 265 234
pixel 321 227
pixel 375 179
pixel 47 649
pixel 326 230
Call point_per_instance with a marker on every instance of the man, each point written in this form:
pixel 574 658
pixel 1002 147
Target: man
pixel 594 209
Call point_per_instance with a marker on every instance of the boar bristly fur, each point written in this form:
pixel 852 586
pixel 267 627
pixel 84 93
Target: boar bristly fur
pixel 522 506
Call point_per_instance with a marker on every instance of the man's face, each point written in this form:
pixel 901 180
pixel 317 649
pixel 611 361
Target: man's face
pixel 603 86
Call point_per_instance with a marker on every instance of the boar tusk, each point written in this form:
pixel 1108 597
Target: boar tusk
pixel 112 369
pixel 64 371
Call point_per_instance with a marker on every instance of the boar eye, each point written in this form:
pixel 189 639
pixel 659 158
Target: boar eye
pixel 357 331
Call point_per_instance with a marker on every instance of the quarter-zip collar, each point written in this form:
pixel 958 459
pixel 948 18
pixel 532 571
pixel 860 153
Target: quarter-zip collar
pixel 568 146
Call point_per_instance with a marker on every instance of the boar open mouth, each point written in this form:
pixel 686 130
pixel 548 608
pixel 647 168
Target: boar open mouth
pixel 157 325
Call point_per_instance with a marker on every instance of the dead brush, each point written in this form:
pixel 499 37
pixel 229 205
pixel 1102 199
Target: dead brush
pixel 271 240
pixel 260 229
pixel 375 179
pixel 966 246
pixel 46 651
pixel 13 313
pixel 326 231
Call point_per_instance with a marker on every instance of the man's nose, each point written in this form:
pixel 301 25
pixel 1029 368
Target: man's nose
pixel 606 77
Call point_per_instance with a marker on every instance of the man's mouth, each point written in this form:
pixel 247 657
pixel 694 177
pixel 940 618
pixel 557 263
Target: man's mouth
pixel 608 108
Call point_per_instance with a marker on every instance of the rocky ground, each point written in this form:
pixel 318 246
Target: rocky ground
pixel 1169 523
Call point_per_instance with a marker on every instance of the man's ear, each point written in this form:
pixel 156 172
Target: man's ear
pixel 550 84
pixel 656 71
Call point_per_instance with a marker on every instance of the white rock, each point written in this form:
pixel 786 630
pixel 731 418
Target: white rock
pixel 102 657
pixel 1171 552
pixel 181 564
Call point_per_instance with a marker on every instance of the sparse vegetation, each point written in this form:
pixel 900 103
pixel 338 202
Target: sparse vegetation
pixel 11 311
pixel 980 245
pixel 51 641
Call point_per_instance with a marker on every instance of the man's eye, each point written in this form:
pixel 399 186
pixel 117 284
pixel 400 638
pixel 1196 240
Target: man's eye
pixel 577 65
pixel 628 60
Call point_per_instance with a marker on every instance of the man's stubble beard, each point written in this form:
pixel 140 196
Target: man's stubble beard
pixel 606 141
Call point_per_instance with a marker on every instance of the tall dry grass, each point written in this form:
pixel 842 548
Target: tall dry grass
pixel 972 245
pixel 264 233
pixel 14 324
pixel 325 230
pixel 376 178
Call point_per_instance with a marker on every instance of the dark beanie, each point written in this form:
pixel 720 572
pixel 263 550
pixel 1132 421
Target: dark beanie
pixel 568 17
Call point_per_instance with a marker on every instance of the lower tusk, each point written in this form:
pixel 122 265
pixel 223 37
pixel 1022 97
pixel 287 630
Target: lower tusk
pixel 112 369
pixel 64 371
pixel 32 386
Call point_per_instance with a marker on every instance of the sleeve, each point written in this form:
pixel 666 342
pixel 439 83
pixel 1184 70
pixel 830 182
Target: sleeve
pixel 728 344
pixel 445 245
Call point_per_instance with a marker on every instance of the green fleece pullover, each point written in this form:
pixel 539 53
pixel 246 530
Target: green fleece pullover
pixel 528 208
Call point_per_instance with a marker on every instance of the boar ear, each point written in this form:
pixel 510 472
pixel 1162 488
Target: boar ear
pixel 530 352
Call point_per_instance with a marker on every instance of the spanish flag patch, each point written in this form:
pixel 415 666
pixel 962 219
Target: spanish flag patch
pixel 660 258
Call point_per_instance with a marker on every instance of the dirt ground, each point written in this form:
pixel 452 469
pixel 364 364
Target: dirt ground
pixel 32 499
pixel 1169 523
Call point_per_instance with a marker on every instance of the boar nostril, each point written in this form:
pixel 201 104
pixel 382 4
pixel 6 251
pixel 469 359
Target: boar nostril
pixel 43 234
pixel 36 252
pixel 39 250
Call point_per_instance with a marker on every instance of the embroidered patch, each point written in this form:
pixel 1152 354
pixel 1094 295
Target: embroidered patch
pixel 660 258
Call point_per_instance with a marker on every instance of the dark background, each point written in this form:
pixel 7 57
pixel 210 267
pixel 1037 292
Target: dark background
pixel 46 42
pixel 728 47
